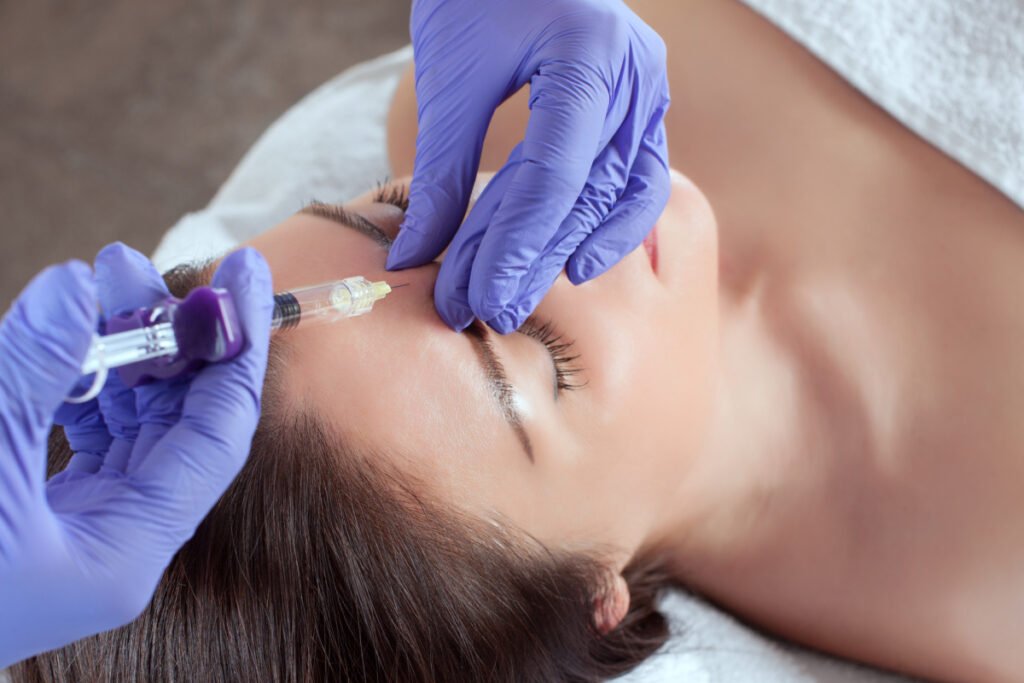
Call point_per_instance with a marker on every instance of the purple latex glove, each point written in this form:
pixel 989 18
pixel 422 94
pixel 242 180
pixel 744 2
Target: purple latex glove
pixel 83 552
pixel 584 187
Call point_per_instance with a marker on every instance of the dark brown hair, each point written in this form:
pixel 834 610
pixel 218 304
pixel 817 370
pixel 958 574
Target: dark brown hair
pixel 321 564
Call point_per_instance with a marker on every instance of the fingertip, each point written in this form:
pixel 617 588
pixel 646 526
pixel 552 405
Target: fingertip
pixel 660 187
pixel 81 280
pixel 455 317
pixel 243 263
pixel 455 313
pixel 539 282
pixel 62 297
pixel 437 206
pixel 399 256
pixel 126 279
pixel 490 299
pixel 420 239
pixel 80 270
pixel 114 250
pixel 119 256
pixel 461 325
pixel 585 269
pixel 505 322
pixel 577 271
pixel 246 274
pixel 627 224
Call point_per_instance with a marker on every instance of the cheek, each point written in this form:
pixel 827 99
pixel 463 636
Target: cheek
pixel 654 395
pixel 653 374
pixel 667 381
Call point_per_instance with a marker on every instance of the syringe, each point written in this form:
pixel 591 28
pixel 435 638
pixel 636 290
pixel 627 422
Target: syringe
pixel 327 303
pixel 177 336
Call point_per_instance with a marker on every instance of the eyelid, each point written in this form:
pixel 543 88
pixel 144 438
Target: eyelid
pixel 395 194
pixel 563 360
pixel 505 387
pixel 551 362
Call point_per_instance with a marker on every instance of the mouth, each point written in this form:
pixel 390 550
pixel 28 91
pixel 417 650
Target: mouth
pixel 651 247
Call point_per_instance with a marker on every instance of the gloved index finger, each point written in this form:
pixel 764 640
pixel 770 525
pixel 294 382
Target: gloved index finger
pixel 645 196
pixel 449 142
pixel 566 131
pixel 196 459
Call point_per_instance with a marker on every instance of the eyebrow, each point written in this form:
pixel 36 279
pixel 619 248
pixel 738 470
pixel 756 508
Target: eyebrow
pixel 349 219
pixel 497 379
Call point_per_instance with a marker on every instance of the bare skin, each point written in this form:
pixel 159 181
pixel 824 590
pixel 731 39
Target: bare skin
pixel 862 484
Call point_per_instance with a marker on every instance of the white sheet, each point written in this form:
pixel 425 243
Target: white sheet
pixel 330 146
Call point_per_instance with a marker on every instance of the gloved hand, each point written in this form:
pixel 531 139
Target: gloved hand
pixel 584 187
pixel 83 552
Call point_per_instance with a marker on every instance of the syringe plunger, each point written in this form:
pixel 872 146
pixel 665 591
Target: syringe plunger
pixel 179 335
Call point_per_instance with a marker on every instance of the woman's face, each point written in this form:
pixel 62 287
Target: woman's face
pixel 605 460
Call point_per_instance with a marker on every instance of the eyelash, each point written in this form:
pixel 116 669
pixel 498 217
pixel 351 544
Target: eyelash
pixel 395 195
pixel 561 352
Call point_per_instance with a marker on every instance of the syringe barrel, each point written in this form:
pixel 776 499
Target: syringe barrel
pixel 326 303
pixel 131 346
pixel 175 336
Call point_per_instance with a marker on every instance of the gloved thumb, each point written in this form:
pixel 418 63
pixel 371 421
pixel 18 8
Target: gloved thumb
pixel 43 340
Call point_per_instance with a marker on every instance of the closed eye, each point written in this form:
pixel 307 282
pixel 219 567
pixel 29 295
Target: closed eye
pixel 395 195
pixel 561 351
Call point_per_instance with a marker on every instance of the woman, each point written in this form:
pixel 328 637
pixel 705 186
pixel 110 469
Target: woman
pixel 803 407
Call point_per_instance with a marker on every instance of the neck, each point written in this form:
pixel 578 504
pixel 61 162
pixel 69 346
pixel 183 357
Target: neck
pixel 731 506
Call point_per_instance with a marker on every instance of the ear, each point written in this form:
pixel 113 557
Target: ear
pixel 610 607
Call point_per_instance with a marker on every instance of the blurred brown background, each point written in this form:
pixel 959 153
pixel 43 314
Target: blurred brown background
pixel 118 116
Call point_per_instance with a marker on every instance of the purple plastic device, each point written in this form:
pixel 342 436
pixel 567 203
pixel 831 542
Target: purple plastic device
pixel 206 328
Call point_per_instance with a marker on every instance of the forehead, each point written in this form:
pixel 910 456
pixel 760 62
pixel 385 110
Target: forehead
pixel 305 250
pixel 396 382
pixel 391 388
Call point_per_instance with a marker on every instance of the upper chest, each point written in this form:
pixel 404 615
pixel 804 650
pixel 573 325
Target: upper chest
pixel 898 330
pixel 891 283
pixel 900 467
pixel 892 271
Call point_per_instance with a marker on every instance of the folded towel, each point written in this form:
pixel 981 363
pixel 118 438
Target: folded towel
pixel 710 646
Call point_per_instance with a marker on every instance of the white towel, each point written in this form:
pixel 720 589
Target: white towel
pixel 709 646
pixel 950 70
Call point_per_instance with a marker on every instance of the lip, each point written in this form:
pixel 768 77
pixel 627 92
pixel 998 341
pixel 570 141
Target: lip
pixel 651 247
